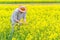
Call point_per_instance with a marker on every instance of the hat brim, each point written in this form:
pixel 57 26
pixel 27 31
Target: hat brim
pixel 22 10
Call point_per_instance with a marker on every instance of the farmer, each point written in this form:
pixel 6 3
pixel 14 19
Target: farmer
pixel 17 15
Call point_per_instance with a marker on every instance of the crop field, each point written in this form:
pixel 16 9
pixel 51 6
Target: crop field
pixel 43 22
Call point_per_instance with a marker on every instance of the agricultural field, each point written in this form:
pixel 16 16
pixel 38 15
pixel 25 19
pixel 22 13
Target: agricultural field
pixel 43 22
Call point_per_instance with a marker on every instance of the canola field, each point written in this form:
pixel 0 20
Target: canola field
pixel 43 22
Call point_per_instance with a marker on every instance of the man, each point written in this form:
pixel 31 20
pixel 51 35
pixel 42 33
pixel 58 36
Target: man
pixel 17 15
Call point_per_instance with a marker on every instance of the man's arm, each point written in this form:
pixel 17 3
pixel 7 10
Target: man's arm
pixel 24 17
pixel 15 17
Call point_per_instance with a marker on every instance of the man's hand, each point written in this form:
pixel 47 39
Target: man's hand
pixel 20 23
pixel 17 21
pixel 25 23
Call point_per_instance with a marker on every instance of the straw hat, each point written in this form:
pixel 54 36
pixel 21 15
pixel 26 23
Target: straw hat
pixel 22 9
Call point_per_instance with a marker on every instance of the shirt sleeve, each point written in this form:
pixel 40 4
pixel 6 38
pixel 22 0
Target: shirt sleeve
pixel 15 15
pixel 24 16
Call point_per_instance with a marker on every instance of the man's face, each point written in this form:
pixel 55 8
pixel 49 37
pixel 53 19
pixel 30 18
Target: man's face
pixel 21 12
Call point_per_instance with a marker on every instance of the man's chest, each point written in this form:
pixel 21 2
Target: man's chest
pixel 20 15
